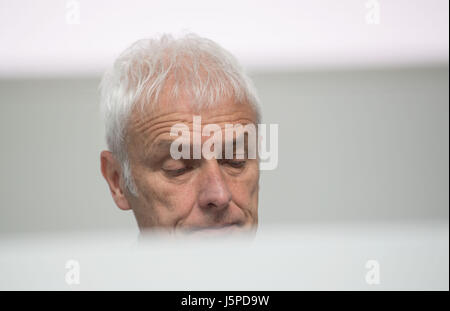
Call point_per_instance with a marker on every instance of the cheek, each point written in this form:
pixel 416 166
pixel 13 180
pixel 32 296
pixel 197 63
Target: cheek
pixel 245 188
pixel 167 201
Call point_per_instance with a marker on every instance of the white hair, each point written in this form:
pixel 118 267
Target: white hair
pixel 195 67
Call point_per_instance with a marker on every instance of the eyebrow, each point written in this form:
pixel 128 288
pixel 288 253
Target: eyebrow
pixel 158 149
pixel 245 139
pixel 163 143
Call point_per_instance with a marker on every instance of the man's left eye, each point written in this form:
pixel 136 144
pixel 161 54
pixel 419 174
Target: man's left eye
pixel 235 163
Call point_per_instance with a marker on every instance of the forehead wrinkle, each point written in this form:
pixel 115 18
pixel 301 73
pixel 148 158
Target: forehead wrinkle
pixel 223 122
pixel 157 126
pixel 152 138
pixel 153 141
pixel 145 121
pixel 142 125
pixel 166 108
pixel 149 127
pixel 154 130
pixel 151 132
pixel 165 127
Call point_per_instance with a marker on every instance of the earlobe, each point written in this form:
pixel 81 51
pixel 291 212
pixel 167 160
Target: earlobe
pixel 112 172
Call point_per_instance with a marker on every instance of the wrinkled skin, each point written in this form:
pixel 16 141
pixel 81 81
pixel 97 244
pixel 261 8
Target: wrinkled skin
pixel 203 196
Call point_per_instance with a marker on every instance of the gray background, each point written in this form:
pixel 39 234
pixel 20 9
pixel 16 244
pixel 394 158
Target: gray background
pixel 354 146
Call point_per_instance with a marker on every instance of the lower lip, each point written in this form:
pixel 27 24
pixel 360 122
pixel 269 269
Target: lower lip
pixel 216 231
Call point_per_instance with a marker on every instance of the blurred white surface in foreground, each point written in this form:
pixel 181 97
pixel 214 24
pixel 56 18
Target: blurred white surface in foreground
pixel 323 257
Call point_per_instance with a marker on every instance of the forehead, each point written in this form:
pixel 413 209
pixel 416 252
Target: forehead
pixel 146 127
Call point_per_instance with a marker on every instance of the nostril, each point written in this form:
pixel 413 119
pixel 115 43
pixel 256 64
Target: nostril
pixel 215 200
pixel 211 205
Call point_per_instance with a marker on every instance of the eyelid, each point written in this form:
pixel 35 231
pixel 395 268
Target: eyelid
pixel 169 170
pixel 177 164
pixel 187 166
pixel 235 163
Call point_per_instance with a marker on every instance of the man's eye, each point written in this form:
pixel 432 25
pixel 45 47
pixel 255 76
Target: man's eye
pixel 176 172
pixel 235 163
pixel 175 168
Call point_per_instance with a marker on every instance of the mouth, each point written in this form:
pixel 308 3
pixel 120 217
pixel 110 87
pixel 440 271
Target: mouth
pixel 214 230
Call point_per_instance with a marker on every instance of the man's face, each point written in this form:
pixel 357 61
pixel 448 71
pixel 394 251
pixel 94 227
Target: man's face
pixel 196 195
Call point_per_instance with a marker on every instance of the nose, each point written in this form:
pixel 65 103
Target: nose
pixel 214 193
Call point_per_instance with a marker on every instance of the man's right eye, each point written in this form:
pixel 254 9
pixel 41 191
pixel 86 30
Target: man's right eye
pixel 175 168
pixel 175 172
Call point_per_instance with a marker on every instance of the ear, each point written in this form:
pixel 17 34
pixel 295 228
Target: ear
pixel 112 172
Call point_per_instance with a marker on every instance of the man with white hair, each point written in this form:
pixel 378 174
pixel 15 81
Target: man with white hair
pixel 154 86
